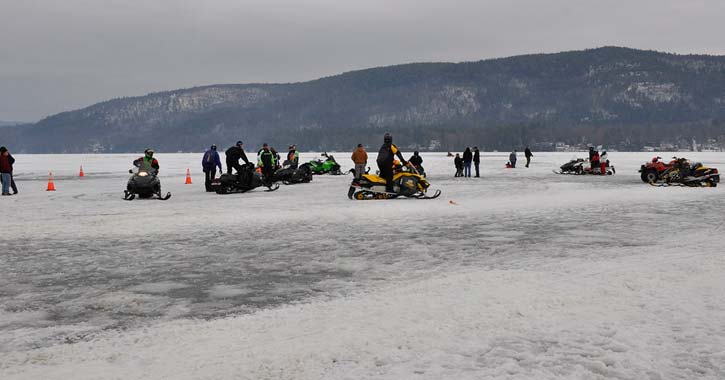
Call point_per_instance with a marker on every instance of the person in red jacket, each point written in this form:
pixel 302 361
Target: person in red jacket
pixel 6 171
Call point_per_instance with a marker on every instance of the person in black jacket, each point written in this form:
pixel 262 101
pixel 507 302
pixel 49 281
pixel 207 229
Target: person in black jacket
pixel 476 159
pixel 416 159
pixel 458 161
pixel 467 159
pixel 528 154
pixel 386 155
pixel 233 155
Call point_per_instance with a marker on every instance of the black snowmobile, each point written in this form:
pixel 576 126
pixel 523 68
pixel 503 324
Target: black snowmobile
pixel 247 179
pixel 145 184
pixel 683 173
pixel 407 183
pixel 580 166
pixel 289 175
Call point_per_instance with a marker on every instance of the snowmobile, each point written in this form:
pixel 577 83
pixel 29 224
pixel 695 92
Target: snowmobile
pixel 580 166
pixel 245 180
pixel 406 183
pixel 652 171
pixel 145 184
pixel 290 175
pixel 683 173
pixel 329 165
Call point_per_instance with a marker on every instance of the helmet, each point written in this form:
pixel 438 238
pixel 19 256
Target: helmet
pixel 239 142
pixel 388 138
pixel 149 152
pixel 291 147
pixel 213 146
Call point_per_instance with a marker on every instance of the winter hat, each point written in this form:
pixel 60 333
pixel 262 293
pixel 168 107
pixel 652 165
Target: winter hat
pixel 213 146
pixel 3 149
pixel 239 143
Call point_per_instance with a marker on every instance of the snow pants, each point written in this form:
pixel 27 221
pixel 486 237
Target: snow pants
pixel 209 175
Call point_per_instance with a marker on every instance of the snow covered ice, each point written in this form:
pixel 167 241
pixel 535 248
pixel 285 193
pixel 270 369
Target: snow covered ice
pixel 525 275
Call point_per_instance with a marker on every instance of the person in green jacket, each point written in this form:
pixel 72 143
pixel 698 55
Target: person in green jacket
pixel 265 160
pixel 147 162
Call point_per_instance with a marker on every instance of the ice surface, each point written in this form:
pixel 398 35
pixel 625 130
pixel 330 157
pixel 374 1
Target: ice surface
pixel 526 274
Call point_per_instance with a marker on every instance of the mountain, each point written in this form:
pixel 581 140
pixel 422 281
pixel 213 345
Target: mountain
pixel 610 95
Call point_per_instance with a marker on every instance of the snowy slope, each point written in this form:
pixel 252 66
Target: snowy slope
pixel 525 275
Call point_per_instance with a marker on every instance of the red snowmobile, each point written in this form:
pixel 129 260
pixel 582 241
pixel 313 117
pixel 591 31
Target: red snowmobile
pixel 653 170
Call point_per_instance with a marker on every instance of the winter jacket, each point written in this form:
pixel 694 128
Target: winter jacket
pixel 512 157
pixel 416 160
pixel 387 154
pixel 476 156
pixel 293 157
pixel 146 163
pixel 265 159
pixel 458 161
pixel 467 156
pixel 6 163
pixel 359 156
pixel 210 160
pixel 234 153
pixel 528 153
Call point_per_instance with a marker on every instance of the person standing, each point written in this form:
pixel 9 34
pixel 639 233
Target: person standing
pixel 467 159
pixel 458 161
pixel 528 154
pixel 277 161
pixel 512 159
pixel 360 158
pixel 209 163
pixel 293 157
pixel 603 162
pixel 265 160
pixel 386 155
pixel 6 170
pixel 233 154
pixel 594 164
pixel 476 159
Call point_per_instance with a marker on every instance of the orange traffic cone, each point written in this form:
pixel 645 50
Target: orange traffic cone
pixel 51 185
pixel 81 173
pixel 188 177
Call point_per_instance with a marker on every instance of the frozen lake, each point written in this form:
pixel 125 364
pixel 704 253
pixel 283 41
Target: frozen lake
pixel 519 274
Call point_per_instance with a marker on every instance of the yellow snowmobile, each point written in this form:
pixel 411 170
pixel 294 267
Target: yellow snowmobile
pixel 406 183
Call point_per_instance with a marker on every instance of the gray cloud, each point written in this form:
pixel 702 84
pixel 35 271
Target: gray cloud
pixel 61 55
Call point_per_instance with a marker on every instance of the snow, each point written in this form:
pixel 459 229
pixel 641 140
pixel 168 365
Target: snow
pixel 520 274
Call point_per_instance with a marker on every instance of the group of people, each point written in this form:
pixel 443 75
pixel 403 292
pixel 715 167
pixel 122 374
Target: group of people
pixel 6 171
pixel 387 162
pixel 268 160
pixel 463 164
pixel 511 164
pixel 597 160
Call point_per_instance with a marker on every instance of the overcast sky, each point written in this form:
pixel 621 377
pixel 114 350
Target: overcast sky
pixel 58 55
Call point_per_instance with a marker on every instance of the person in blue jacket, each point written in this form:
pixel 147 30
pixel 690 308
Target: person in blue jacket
pixel 209 164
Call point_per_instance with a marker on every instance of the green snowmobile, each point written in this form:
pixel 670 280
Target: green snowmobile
pixel 329 165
